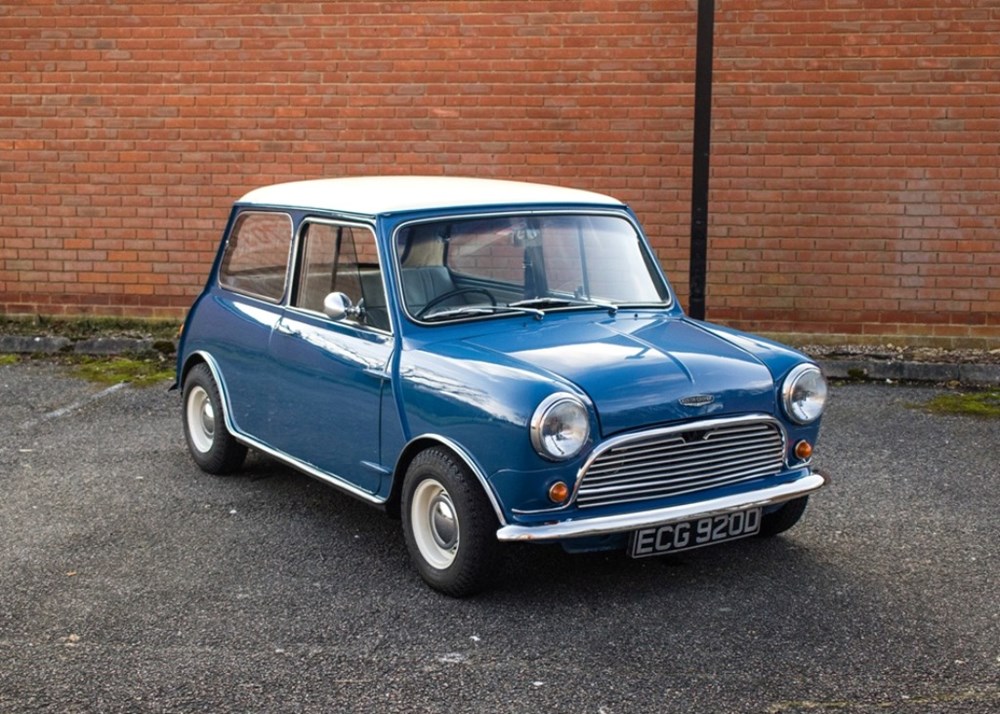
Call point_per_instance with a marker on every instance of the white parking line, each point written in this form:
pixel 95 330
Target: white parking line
pixel 63 411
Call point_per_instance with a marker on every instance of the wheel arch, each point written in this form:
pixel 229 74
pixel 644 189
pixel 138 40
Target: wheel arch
pixel 193 359
pixel 200 357
pixel 422 443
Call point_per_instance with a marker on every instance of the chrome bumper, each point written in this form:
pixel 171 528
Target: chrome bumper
pixel 605 525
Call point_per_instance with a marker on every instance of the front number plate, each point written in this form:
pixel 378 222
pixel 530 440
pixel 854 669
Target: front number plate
pixel 696 533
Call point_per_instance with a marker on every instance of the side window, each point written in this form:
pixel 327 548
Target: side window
pixel 341 258
pixel 256 257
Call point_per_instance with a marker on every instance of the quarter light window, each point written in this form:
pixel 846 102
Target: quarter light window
pixel 256 257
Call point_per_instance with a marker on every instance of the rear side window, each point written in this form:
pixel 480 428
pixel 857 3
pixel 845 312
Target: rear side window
pixel 256 257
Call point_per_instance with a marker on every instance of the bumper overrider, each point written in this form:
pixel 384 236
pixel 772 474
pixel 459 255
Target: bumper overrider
pixel 626 522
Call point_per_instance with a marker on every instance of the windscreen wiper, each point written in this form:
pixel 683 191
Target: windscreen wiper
pixel 471 310
pixel 557 302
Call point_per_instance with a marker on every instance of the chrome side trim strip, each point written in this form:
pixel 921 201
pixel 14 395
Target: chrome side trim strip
pixel 308 470
pixel 605 525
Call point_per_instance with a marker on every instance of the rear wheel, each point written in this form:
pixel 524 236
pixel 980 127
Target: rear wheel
pixel 449 524
pixel 211 445
pixel 781 520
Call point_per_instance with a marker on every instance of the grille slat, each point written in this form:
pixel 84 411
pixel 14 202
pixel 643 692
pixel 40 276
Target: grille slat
pixel 654 447
pixel 634 496
pixel 652 481
pixel 701 456
pixel 706 459
pixel 672 440
pixel 662 491
pixel 680 474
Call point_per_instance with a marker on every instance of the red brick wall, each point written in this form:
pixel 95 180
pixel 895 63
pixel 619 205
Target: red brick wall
pixel 855 159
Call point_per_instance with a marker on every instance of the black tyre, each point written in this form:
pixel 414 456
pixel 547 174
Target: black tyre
pixel 211 445
pixel 449 525
pixel 784 518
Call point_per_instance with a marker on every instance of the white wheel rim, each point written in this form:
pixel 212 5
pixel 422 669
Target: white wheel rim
pixel 200 419
pixel 435 524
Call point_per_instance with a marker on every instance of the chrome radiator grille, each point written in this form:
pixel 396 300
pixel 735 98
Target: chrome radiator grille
pixel 674 461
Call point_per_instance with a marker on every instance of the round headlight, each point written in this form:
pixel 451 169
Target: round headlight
pixel 560 427
pixel 804 394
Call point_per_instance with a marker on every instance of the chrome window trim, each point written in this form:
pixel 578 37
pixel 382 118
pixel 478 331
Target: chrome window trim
pixel 583 211
pixel 306 312
pixel 297 259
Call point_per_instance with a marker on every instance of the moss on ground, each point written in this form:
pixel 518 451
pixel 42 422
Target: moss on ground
pixel 8 359
pixel 985 404
pixel 137 371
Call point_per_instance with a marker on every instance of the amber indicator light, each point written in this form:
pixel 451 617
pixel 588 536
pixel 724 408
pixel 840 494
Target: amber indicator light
pixel 803 450
pixel 558 492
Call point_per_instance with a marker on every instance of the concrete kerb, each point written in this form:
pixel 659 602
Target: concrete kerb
pixel 19 344
pixel 972 374
pixel 99 346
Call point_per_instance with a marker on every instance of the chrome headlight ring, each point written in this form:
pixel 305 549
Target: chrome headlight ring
pixel 560 427
pixel 803 394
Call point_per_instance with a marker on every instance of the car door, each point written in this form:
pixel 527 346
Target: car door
pixel 331 376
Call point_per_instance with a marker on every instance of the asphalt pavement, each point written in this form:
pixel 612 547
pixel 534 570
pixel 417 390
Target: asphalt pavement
pixel 132 582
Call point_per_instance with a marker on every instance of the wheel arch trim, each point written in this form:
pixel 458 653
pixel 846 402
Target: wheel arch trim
pixel 419 443
pixel 201 356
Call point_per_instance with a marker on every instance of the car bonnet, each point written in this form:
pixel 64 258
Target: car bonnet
pixel 640 370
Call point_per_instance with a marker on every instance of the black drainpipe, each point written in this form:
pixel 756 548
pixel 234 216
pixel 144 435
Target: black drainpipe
pixel 702 142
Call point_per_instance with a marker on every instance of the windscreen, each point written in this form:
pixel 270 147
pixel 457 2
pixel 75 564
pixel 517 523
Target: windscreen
pixel 559 261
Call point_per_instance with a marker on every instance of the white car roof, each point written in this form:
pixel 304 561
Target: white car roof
pixel 372 195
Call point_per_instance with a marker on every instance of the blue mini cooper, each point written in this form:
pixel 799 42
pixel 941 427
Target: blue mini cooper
pixel 490 361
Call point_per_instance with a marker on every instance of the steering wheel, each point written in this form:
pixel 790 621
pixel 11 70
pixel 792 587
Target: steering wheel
pixel 444 297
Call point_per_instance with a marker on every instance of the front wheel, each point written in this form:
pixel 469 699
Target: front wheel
pixel 211 445
pixel 449 524
pixel 781 520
